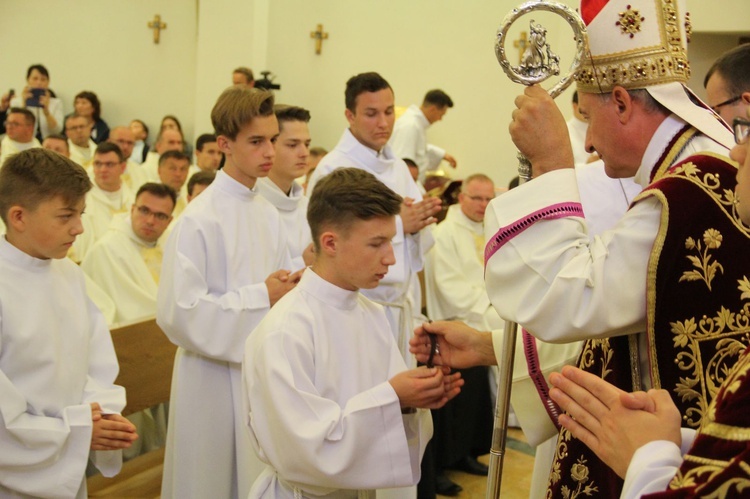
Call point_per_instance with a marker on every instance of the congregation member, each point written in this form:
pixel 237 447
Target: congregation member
pixel 322 371
pixel 167 140
pixel 80 144
pixel 40 100
pixel 4 106
pixel 58 143
pixel 141 148
pixel 19 134
pixel 541 258
pixel 316 154
pixel 409 138
pixel 369 110
pixel 126 261
pixel 207 154
pixel 125 139
pixel 107 197
pixel 173 171
pixel 198 183
pixel 60 405
pixel 280 188
pixel 225 265
pixel 727 84
pixel 243 76
pixel 87 104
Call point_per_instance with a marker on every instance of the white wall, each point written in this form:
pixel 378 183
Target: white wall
pixel 105 46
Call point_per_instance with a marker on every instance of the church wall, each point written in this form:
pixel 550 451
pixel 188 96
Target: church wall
pixel 106 47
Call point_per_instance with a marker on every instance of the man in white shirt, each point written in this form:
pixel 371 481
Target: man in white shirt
pixel 280 188
pixel 19 133
pixel 225 265
pixel 173 171
pixel 370 112
pixel 82 148
pixel 108 197
pixel 57 143
pixel 125 140
pixel 198 183
pixel 409 138
pixel 126 261
pixel 168 140
pixel 207 154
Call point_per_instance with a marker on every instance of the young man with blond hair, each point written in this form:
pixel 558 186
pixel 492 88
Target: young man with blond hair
pixel 224 267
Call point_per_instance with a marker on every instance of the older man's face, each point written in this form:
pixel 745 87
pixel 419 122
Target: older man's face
pixel 18 128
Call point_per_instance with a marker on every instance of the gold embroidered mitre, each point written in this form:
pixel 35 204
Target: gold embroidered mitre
pixel 634 44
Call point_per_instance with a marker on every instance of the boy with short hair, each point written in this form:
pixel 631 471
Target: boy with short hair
pixel 331 404
pixel 220 276
pixel 58 400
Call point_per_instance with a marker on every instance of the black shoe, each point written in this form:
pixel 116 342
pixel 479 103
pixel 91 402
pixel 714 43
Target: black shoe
pixel 471 465
pixel 444 487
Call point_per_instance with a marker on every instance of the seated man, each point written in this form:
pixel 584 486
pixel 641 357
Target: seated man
pixel 107 197
pixel 207 154
pixel 173 171
pixel 134 175
pixel 126 261
pixel 292 151
pixel 57 143
pixel 332 407
pixel 19 134
pixel 82 148
pixel 198 183
pixel 168 140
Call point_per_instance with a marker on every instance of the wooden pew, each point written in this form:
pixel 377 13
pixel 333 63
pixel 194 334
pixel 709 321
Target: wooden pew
pixel 146 359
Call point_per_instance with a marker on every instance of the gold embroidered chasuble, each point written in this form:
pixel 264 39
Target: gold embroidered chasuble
pixel 697 325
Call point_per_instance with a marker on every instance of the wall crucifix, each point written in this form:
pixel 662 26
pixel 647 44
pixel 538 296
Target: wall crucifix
pixel 319 35
pixel 521 44
pixel 157 26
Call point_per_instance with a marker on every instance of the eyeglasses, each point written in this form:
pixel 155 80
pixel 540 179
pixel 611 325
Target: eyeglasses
pixel 143 210
pixel 726 103
pixel 105 164
pixel 74 128
pixel 480 198
pixel 13 124
pixel 741 129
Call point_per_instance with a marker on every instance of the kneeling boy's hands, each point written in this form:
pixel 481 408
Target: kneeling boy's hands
pixel 111 431
pixel 428 388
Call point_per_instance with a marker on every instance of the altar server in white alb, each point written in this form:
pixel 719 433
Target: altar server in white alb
pixel 58 400
pixel 280 188
pixel 126 262
pixel 332 408
pixel 370 113
pixel 224 267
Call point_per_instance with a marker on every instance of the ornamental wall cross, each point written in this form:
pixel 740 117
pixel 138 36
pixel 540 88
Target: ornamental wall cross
pixel 157 26
pixel 319 35
pixel 521 45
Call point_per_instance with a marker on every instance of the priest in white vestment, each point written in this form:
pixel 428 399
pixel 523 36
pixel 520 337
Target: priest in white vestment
pixel 108 197
pixel 409 138
pixel 19 134
pixel 173 171
pixel 81 147
pixel 126 261
pixel 322 372
pixel 167 140
pixel 207 154
pixel 134 175
pixel 280 188
pixel 370 112
pixel 224 266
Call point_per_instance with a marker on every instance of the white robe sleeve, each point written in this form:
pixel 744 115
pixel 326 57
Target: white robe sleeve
pixel 46 456
pixel 556 283
pixel 435 155
pixel 654 465
pixel 212 323
pixel 310 439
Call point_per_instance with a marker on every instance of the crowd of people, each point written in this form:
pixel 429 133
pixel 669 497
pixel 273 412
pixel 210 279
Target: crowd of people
pixel 288 277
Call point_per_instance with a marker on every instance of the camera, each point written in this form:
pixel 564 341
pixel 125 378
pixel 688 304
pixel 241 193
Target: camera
pixel 266 83
pixel 36 94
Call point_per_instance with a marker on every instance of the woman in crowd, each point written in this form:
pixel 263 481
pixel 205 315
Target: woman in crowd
pixel 87 105
pixel 40 100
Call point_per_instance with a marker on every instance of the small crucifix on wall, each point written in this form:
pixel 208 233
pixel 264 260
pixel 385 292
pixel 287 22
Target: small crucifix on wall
pixel 521 45
pixel 319 35
pixel 157 26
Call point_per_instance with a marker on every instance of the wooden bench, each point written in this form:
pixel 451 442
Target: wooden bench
pixel 146 359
